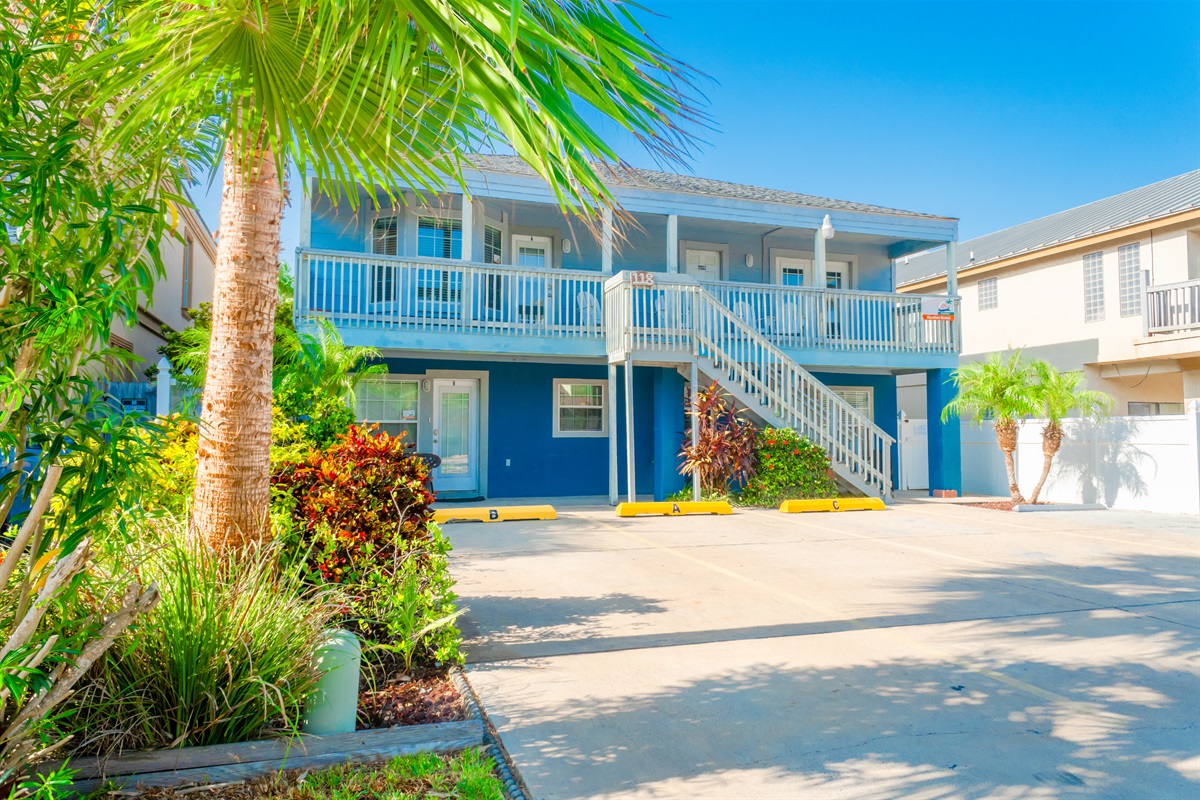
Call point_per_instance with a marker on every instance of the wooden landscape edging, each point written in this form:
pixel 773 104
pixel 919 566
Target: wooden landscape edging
pixel 245 760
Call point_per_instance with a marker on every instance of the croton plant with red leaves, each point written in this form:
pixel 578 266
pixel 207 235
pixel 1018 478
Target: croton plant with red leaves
pixel 358 501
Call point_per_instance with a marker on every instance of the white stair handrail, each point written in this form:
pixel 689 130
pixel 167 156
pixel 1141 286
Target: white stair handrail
pixel 792 394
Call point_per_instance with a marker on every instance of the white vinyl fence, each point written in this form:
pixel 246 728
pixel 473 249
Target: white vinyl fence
pixel 1133 463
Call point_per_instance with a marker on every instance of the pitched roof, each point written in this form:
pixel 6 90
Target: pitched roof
pixel 688 184
pixel 1162 199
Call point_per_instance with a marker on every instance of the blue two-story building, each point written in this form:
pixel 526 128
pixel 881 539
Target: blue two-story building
pixel 538 359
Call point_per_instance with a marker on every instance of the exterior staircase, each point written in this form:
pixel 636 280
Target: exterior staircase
pixel 675 320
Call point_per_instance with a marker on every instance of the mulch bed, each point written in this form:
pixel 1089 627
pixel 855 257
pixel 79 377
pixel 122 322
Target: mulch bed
pixel 388 697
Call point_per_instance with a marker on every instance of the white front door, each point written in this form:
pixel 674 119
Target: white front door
pixel 702 264
pixel 456 434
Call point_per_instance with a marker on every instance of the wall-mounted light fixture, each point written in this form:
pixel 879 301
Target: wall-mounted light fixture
pixel 749 259
pixel 425 385
pixel 566 245
pixel 827 230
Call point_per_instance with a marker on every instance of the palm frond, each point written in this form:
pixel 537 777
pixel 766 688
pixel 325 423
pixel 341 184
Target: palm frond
pixel 375 93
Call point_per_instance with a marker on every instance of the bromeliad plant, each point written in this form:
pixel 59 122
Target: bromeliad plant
pixel 723 456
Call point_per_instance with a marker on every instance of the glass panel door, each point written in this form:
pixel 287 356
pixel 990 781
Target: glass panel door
pixel 456 434
pixel 532 251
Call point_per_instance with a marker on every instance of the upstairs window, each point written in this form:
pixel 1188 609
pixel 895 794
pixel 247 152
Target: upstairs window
pixel 580 407
pixel 439 238
pixel 384 236
pixel 1129 269
pixel 493 245
pixel 1093 287
pixel 989 297
pixel 188 253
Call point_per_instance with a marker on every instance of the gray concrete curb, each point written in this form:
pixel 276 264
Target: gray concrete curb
pixel 1026 508
pixel 514 784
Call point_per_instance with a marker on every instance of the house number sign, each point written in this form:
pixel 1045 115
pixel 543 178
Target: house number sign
pixel 641 278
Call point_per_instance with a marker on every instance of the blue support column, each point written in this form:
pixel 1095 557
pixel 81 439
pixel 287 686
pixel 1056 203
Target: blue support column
pixel 945 439
pixel 668 432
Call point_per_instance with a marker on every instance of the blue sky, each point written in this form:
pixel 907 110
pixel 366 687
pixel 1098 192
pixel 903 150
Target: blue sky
pixel 996 113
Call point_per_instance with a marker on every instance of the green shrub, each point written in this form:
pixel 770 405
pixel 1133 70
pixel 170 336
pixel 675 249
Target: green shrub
pixel 226 656
pixel 361 517
pixel 790 467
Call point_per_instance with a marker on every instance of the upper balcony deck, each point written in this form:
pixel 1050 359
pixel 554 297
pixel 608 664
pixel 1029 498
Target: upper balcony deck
pixel 445 305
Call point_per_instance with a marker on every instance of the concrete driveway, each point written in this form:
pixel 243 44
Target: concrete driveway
pixel 926 651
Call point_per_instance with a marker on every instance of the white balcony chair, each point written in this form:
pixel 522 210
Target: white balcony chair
pixel 790 324
pixel 589 309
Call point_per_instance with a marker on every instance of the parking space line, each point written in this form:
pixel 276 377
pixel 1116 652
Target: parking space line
pixel 1007 680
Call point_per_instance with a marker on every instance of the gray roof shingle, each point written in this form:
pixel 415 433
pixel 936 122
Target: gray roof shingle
pixel 689 184
pixel 1161 199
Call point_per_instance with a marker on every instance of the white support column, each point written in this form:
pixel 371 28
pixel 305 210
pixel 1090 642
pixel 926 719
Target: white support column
pixel 694 389
pixel 672 243
pixel 951 268
pixel 310 185
pixel 606 244
pixel 613 491
pixel 817 279
pixel 630 470
pixel 468 228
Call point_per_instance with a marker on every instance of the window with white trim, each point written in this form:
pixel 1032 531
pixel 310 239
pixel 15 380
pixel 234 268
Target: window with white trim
pixel 391 403
pixel 189 251
pixel 580 407
pixel 791 270
pixel 438 237
pixel 1154 409
pixel 1129 272
pixel 1093 287
pixel 989 297
pixel 861 398
pixel 385 236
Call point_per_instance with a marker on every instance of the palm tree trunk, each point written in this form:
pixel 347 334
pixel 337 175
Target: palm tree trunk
pixel 229 507
pixel 1006 437
pixel 1052 436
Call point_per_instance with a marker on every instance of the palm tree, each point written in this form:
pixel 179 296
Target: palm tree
pixel 368 93
pixel 1000 389
pixel 1058 394
pixel 326 366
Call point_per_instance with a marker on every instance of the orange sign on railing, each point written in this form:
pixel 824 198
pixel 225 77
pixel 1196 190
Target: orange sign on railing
pixel 641 278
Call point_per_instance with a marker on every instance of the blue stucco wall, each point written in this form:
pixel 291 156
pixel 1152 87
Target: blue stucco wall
pixel 519 429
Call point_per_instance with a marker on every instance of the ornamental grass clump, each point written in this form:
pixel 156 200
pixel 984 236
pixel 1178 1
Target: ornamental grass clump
pixel 789 467
pixel 225 657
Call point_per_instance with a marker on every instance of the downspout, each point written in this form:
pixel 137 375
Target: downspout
pixel 762 268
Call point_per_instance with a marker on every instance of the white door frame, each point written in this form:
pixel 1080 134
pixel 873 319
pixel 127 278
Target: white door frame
pixel 473 481
pixel 519 239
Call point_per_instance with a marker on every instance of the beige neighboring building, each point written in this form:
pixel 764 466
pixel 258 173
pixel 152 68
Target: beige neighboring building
pixel 188 282
pixel 1111 287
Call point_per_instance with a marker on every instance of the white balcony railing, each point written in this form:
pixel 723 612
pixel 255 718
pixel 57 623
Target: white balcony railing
pixel 1173 307
pixel 838 319
pixel 359 290
pixel 440 295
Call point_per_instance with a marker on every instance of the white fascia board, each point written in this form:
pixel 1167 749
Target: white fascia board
pixel 534 190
